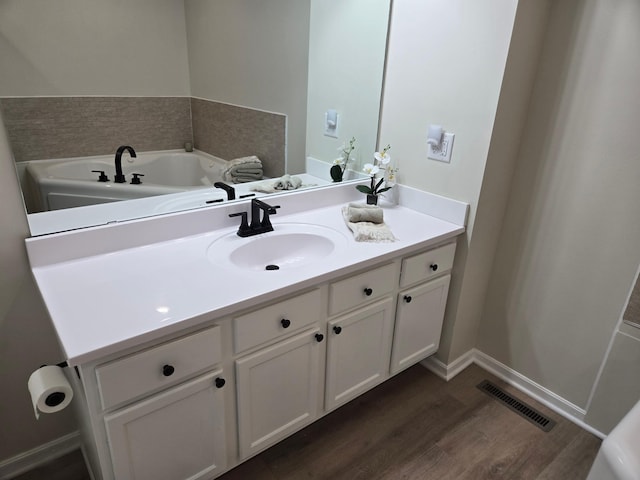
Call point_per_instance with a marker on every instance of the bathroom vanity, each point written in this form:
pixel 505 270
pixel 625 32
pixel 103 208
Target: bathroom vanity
pixel 184 364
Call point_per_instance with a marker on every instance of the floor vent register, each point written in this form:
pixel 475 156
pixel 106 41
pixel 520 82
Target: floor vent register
pixel 531 414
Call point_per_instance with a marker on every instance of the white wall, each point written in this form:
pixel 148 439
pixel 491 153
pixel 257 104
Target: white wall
pixel 347 43
pixel 569 248
pixel 253 54
pixel 27 339
pixel 93 47
pixel 445 65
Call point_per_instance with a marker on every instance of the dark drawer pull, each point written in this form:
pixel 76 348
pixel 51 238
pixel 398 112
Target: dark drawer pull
pixel 337 330
pixel 167 370
pixel 407 298
pixel 286 323
pixel 433 266
pixel 220 382
pixel 368 291
pixel 319 337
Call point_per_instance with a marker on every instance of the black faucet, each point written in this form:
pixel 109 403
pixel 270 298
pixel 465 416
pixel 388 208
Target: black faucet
pixel 258 225
pixel 119 176
pixel 231 192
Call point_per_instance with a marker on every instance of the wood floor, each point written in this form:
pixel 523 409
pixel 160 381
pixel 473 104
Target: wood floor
pixel 414 426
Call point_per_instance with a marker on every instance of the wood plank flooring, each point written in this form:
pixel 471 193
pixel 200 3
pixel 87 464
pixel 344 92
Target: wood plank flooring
pixel 414 426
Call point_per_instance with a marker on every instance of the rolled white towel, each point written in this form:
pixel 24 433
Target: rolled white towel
pixel 358 212
pixel 287 182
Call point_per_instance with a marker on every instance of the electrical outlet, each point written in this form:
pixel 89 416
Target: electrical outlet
pixel 442 154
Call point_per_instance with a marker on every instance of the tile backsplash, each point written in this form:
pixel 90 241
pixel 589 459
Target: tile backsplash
pixel 42 128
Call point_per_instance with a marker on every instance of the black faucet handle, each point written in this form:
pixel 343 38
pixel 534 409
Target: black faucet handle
pixel 136 178
pixel 244 230
pixel 266 222
pixel 102 177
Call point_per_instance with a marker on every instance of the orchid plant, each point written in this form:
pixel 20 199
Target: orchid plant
pixel 381 163
pixel 340 163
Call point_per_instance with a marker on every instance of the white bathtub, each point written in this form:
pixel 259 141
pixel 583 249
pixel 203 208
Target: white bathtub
pixel 70 182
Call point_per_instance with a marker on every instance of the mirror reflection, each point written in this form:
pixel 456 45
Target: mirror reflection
pixel 255 94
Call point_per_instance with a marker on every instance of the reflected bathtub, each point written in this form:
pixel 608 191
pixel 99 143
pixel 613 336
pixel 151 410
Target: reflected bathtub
pixel 70 182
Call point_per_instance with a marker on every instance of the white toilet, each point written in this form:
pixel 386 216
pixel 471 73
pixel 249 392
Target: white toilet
pixel 619 454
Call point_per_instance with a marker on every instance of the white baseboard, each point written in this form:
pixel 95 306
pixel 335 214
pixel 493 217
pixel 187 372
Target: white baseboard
pixel 555 402
pixel 447 372
pixel 26 461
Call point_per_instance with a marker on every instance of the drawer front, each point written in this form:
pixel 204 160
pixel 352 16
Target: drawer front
pixel 427 265
pixel 361 289
pixel 158 367
pixel 276 320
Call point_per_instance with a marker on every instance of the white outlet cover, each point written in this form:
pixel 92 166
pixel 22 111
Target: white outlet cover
pixel 442 154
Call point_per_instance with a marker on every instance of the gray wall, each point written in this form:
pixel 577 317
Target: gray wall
pixel 27 339
pixel 569 246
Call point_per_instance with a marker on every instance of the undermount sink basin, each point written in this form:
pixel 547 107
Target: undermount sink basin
pixel 290 245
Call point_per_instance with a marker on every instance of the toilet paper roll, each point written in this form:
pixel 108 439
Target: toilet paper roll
pixel 50 391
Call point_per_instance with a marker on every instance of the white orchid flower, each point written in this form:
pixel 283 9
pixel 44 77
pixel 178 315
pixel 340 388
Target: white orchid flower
pixel 383 157
pixel 338 161
pixel 370 169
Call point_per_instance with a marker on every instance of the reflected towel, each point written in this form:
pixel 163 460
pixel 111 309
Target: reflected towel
pixel 287 182
pixel 367 231
pixel 245 169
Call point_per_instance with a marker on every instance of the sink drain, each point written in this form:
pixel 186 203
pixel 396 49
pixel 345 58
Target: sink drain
pixel 272 267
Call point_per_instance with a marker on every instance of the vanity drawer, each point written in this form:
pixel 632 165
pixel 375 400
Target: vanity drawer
pixel 362 288
pixel 427 265
pixel 158 367
pixel 276 320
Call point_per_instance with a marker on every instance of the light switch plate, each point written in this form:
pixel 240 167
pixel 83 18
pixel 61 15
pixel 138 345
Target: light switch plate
pixel 442 154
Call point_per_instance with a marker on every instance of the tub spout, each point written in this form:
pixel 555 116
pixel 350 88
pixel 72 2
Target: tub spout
pixel 121 149
pixel 231 192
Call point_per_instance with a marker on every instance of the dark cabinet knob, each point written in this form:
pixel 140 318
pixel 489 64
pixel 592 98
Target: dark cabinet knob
pixel 319 337
pixel 167 370
pixel 285 323
pixel 337 330
pixel 407 298
pixel 433 266
pixel 368 291
pixel 220 382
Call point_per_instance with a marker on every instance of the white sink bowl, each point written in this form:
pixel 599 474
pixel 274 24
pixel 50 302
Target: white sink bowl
pixel 290 245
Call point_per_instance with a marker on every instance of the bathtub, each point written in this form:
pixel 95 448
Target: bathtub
pixel 70 182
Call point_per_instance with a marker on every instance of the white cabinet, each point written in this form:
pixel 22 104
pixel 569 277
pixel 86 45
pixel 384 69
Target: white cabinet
pixel 419 317
pixel 159 412
pixel 278 390
pixel 358 349
pixel 177 434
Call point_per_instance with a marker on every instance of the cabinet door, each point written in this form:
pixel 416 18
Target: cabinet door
pixel 178 434
pixel 278 391
pixel 419 317
pixel 358 352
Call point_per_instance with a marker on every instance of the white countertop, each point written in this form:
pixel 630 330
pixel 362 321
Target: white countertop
pixel 107 299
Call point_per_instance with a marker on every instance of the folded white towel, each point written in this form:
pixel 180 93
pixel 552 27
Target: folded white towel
pixel 367 231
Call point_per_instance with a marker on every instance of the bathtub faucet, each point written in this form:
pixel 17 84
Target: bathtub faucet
pixel 119 176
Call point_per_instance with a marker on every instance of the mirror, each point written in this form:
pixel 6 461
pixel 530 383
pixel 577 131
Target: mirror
pixel 234 78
